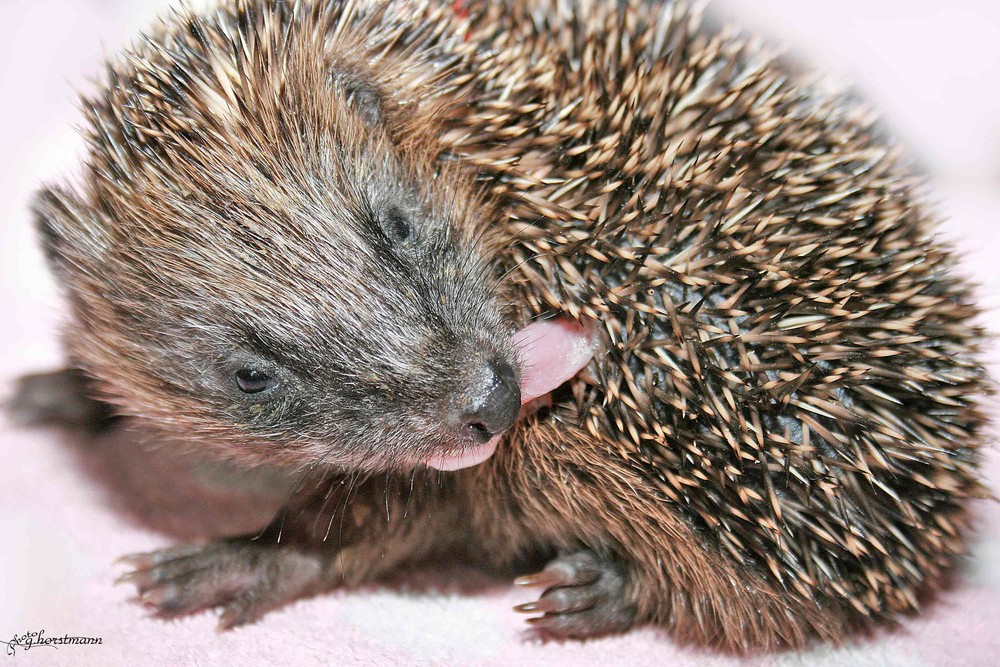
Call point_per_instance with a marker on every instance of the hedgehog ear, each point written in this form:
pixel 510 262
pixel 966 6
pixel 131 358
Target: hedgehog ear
pixel 70 234
pixel 362 94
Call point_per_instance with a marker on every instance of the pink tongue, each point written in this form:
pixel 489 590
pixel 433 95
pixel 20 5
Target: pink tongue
pixel 551 352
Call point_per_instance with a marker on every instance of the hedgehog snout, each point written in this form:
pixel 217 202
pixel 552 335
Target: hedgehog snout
pixel 490 408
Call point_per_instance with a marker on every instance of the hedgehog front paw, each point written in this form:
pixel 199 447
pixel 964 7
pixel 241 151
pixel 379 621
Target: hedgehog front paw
pixel 584 597
pixel 59 397
pixel 241 577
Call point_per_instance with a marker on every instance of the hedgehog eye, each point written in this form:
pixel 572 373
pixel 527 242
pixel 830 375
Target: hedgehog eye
pixel 397 227
pixel 362 95
pixel 254 381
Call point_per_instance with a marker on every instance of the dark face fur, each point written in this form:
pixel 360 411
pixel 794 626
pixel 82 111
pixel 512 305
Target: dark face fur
pixel 282 268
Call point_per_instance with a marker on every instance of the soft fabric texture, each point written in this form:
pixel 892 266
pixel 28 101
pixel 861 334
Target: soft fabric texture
pixel 68 508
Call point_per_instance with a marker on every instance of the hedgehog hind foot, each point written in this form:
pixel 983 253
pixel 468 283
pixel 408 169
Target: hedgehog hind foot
pixel 240 577
pixel 59 398
pixel 584 597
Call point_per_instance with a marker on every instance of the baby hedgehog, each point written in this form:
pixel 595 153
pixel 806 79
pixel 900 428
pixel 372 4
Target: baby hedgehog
pixel 307 232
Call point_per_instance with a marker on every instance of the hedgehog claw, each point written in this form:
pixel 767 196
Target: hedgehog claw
pixel 544 579
pixel 584 596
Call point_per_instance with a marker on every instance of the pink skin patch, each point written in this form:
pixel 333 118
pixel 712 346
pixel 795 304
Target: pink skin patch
pixel 551 352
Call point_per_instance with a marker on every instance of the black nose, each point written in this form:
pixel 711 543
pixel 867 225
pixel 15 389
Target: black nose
pixel 494 408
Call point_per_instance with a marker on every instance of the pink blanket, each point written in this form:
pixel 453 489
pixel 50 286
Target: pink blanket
pixel 68 509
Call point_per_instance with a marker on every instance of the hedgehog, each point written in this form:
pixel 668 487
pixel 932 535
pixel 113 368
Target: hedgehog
pixel 337 236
